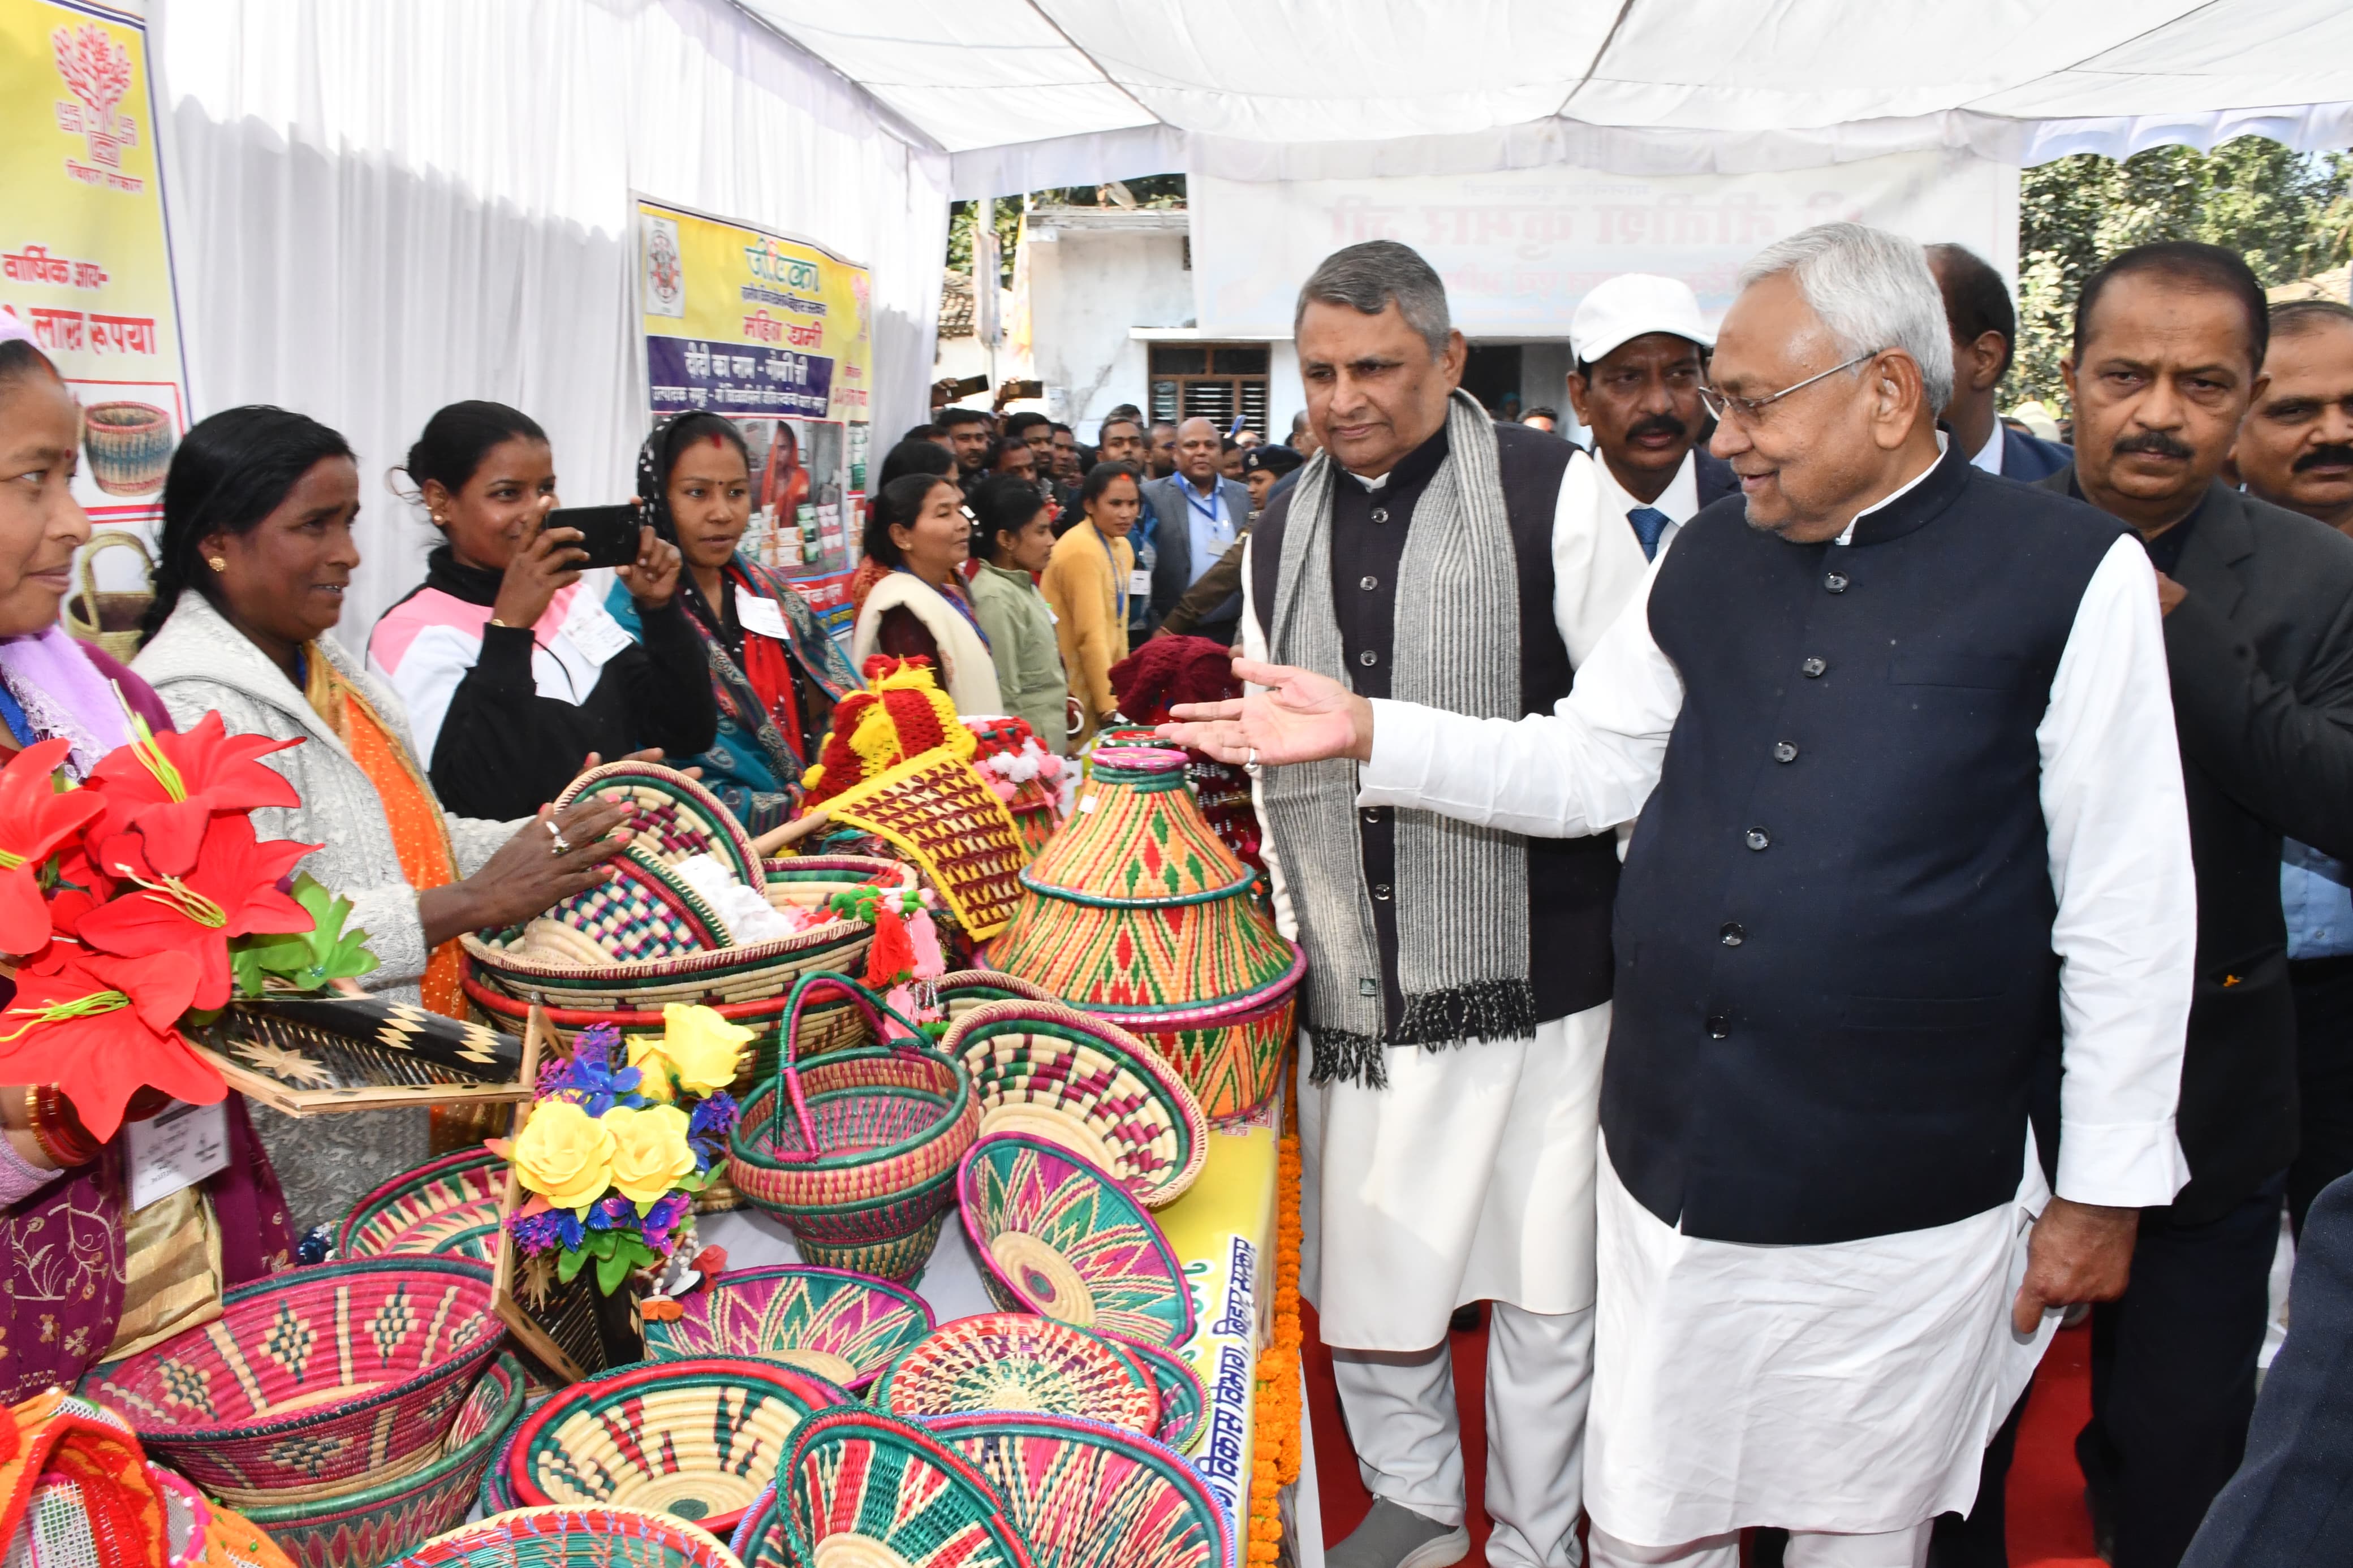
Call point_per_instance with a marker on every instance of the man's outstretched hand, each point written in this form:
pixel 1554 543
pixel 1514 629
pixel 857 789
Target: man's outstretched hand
pixel 2076 1252
pixel 1299 717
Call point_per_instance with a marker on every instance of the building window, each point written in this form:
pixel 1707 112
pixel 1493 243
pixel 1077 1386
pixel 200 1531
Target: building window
pixel 1212 381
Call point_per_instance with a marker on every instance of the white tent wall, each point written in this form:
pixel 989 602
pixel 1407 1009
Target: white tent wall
pixel 380 206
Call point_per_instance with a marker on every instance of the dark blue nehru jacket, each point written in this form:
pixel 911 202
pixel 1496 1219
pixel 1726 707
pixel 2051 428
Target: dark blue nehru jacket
pixel 1835 980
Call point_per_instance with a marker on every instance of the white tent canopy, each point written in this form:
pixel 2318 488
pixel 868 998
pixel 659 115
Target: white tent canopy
pixel 1024 93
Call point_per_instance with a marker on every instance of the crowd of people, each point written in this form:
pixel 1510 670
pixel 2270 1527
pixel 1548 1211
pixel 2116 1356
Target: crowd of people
pixel 1800 894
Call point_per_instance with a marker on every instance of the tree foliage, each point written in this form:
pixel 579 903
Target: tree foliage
pixel 2289 214
pixel 1151 191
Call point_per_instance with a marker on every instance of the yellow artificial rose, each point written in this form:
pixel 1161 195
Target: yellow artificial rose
pixel 564 1154
pixel 654 1068
pixel 703 1048
pixel 650 1152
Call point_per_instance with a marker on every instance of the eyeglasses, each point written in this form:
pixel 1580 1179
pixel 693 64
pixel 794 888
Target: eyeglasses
pixel 1750 411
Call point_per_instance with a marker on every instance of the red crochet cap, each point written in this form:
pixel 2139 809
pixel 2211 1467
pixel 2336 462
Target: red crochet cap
pixel 1168 670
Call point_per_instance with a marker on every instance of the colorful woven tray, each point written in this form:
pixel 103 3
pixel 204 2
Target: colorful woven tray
pixel 866 1491
pixel 746 973
pixel 642 910
pixel 1045 1068
pixel 448 1206
pixel 1060 1238
pixel 940 814
pixel 362 1529
pixel 1088 1496
pixel 857 1152
pixel 319 1375
pixel 673 816
pixel 573 1537
pixel 845 1328
pixel 695 1439
pixel 1184 1403
pixel 1139 913
pixel 1018 1361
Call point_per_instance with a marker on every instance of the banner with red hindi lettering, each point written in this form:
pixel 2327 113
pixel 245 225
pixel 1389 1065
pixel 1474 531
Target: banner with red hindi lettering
pixel 84 260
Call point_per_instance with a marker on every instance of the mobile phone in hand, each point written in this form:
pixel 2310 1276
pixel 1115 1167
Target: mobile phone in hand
pixel 609 533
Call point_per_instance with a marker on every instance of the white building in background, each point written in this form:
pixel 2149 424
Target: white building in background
pixel 1102 312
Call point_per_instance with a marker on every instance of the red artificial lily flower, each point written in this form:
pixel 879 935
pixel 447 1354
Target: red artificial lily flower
pixel 231 890
pixel 34 818
pixel 101 1028
pixel 80 887
pixel 168 786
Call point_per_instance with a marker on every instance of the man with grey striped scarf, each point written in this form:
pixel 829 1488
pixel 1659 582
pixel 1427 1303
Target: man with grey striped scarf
pixel 1459 977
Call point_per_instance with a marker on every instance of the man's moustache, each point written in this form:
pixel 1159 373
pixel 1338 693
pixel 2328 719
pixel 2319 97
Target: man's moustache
pixel 2341 457
pixel 2156 442
pixel 1657 425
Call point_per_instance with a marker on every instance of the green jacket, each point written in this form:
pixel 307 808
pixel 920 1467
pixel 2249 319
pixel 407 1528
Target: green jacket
pixel 1021 641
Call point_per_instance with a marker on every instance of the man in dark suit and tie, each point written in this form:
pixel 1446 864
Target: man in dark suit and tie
pixel 1642 356
pixel 1985 336
pixel 2258 607
pixel 1201 515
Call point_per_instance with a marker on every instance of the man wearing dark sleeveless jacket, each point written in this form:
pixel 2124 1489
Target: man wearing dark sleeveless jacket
pixel 1911 841
pixel 1457 985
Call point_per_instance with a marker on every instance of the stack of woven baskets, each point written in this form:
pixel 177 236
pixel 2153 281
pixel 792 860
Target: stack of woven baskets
pixel 619 953
pixel 1139 913
pixel 348 1409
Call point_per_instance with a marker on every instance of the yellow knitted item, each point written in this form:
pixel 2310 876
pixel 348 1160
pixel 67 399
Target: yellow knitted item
pixel 902 713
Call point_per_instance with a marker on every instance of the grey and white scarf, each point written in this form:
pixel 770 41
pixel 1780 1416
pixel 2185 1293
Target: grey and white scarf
pixel 1462 891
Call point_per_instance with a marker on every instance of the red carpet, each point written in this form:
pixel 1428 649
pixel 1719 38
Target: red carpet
pixel 2048 1527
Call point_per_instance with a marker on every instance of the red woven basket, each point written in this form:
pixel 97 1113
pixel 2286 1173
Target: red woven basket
pixel 319 1375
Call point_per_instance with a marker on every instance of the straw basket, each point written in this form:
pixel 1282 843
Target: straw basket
pixel 695 1439
pixel 1013 1360
pixel 1088 1496
pixel 759 1540
pixel 1061 1238
pixel 844 1328
pixel 672 816
pixel 752 973
pixel 109 618
pixel 858 1151
pixel 573 1537
pixel 130 446
pixel 446 1207
pixel 314 1377
pixel 1048 1069
pixel 862 1490
pixel 1184 1403
pixel 365 1528
pixel 1139 913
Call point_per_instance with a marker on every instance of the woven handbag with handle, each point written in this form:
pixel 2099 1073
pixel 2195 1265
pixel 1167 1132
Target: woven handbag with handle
pixel 107 618
pixel 858 1151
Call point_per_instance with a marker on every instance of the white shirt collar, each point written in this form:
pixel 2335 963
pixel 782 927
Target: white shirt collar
pixel 1679 500
pixel 1847 537
pixel 1989 457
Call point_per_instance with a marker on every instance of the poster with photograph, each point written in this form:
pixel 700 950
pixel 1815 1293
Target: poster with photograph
pixel 777 335
pixel 84 262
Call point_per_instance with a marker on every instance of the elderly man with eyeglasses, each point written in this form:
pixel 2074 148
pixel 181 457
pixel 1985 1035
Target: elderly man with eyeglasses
pixel 1912 845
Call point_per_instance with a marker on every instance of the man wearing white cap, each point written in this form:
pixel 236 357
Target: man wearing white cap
pixel 1640 359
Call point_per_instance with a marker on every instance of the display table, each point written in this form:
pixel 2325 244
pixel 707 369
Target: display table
pixel 1223 1230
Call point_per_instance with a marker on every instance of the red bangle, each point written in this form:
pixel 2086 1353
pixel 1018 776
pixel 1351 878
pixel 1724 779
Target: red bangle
pixel 57 1130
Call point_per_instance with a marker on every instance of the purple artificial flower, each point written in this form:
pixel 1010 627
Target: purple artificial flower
pixel 535 1232
pixel 613 1214
pixel 714 1116
pixel 590 1076
pixel 665 1215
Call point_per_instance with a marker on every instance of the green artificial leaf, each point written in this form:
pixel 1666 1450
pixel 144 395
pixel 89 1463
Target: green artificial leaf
pixel 568 1263
pixel 308 961
pixel 611 1271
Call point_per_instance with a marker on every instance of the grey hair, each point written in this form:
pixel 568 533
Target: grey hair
pixel 1367 277
pixel 1872 290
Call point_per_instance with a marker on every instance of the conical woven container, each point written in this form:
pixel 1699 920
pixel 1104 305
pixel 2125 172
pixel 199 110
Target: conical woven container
pixel 1138 912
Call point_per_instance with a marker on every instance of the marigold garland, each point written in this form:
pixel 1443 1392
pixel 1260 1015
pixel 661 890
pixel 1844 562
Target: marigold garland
pixel 1274 1435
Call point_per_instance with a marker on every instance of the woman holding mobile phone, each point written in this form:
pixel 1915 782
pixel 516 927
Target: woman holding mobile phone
pixel 514 671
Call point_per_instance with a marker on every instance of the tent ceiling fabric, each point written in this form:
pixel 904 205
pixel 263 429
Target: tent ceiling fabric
pixel 988 79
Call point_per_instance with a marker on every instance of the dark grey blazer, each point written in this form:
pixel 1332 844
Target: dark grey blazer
pixel 2261 656
pixel 1172 573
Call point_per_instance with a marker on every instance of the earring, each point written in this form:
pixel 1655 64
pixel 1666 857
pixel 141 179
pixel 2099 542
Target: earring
pixel 218 563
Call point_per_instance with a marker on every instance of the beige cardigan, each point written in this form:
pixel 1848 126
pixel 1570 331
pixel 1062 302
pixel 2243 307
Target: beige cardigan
pixel 970 677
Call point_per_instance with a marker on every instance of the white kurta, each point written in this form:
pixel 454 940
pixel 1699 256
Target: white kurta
pixel 1851 1387
pixel 1469 1176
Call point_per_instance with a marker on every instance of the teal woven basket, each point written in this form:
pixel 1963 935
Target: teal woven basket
pixel 1018 1361
pixel 843 1327
pixel 868 1490
pixel 573 1537
pixel 1084 1495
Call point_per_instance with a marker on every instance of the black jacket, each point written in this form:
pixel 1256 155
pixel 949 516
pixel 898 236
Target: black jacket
pixel 505 751
pixel 2260 654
